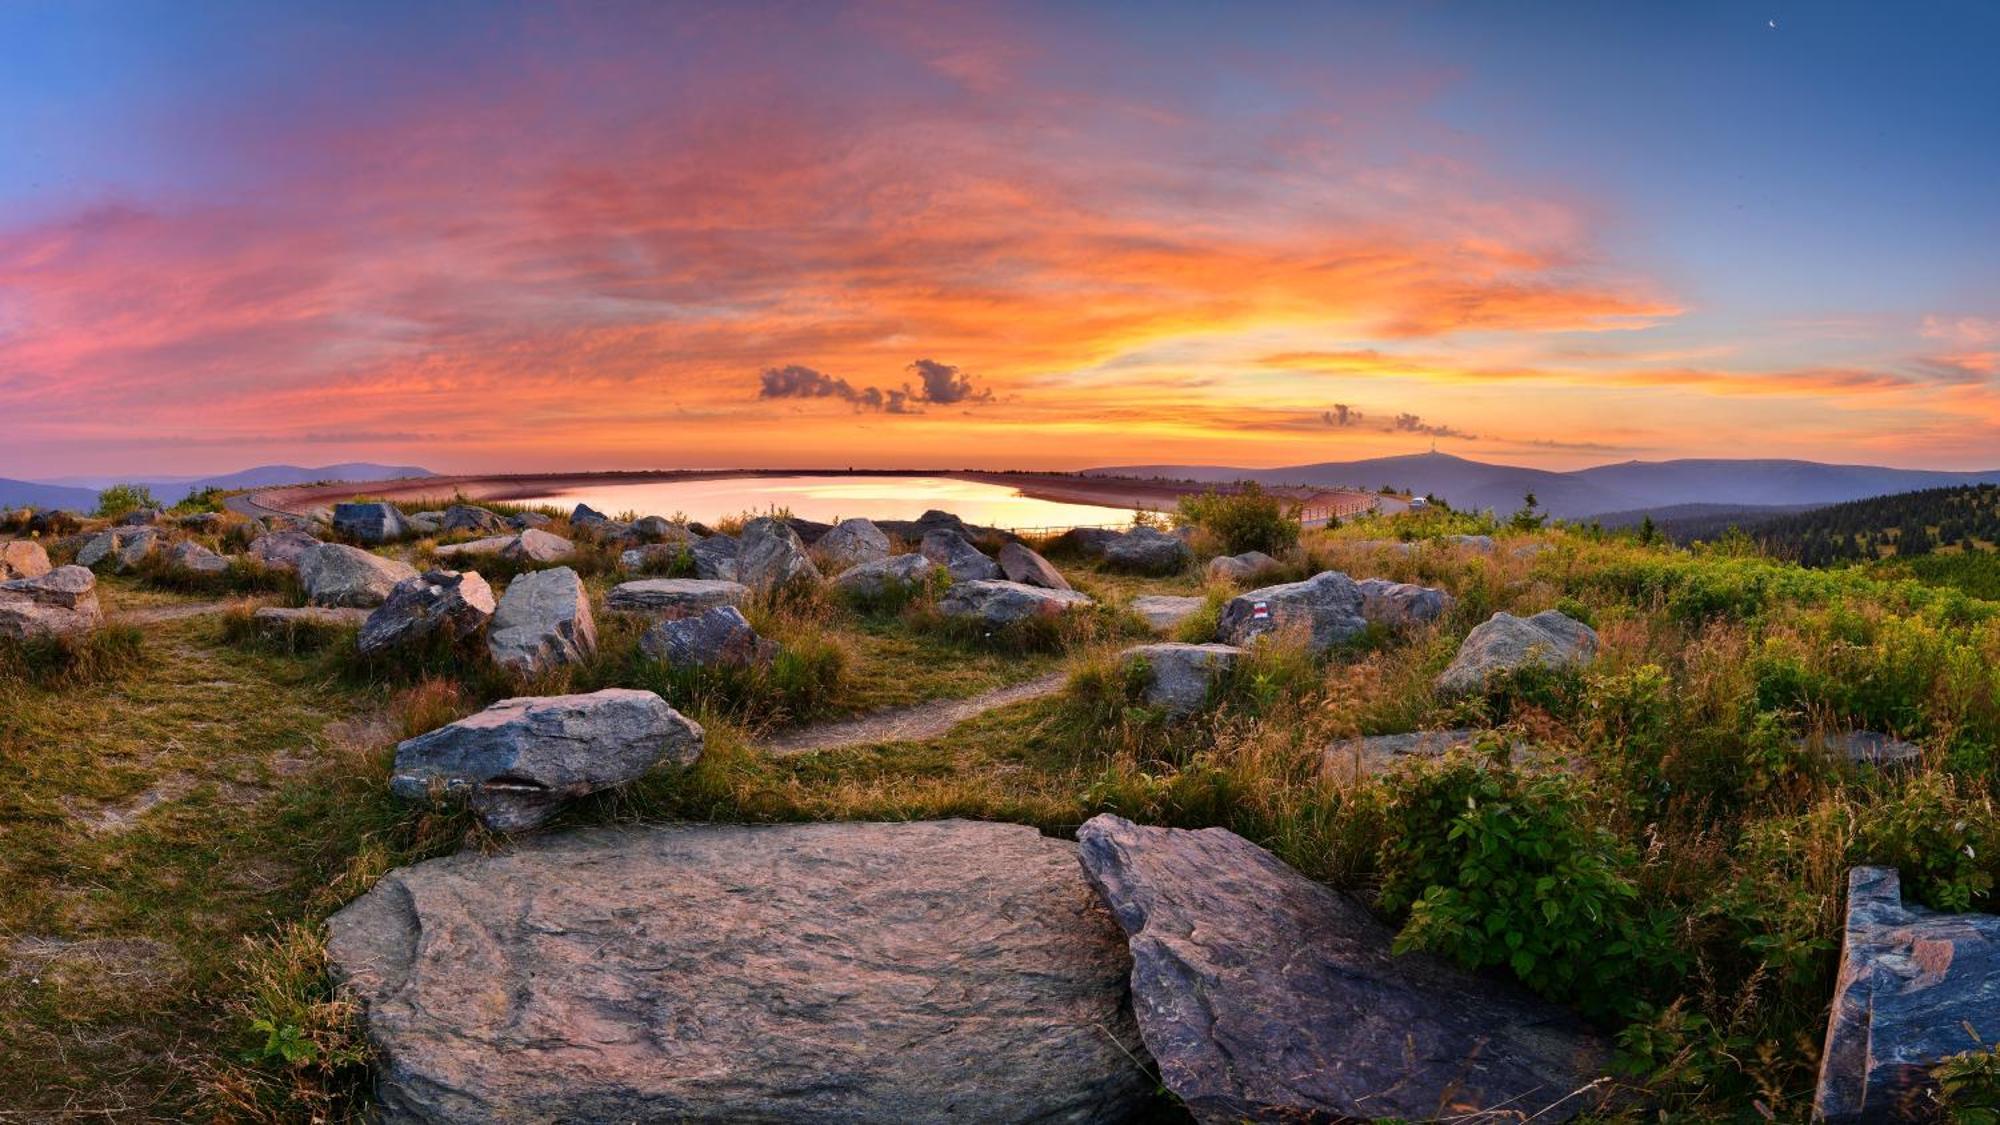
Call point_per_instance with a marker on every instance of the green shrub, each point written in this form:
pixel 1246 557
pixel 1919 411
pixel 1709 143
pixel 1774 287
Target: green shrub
pixel 1247 519
pixel 122 498
pixel 1968 1087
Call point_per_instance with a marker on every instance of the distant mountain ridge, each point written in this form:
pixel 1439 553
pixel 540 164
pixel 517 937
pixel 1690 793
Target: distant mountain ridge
pixel 169 490
pixel 1631 486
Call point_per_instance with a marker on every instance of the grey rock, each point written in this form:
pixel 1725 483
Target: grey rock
pixel 1914 987
pixel 1000 603
pixel 720 637
pixel 1358 759
pixel 423 523
pixel 278 621
pixel 190 557
pixel 1865 747
pixel 1264 996
pixel 543 622
pixel 533 546
pixel 1246 567
pixel 370 523
pixel 202 521
pixel 490 545
pixel 60 603
pixel 1088 542
pixel 1506 644
pixel 715 558
pixel 1020 564
pixel 584 514
pixel 1180 676
pixel 1481 544
pixel 339 575
pixel 850 543
pixel 930 973
pixel 1325 609
pixel 1146 551
pixel 521 521
pixel 438 603
pixel 885 578
pixel 674 597
pixel 23 558
pixel 519 760
pixel 1386 546
pixel 465 517
pixel 1402 605
pixel 1164 612
pixel 963 561
pixel 140 517
pixel 656 558
pixel 770 556
pixel 281 550
pixel 119 549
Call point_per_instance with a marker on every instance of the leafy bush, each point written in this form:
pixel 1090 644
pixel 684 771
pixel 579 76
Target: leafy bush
pixel 122 498
pixel 1247 519
pixel 1968 1090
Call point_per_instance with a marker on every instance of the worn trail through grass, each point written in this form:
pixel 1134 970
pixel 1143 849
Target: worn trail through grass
pixel 909 724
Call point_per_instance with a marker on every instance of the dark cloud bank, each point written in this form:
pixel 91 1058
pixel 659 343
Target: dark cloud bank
pixel 938 384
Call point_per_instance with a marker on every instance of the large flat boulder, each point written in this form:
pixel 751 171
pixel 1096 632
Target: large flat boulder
pixel 23 558
pixel 438 604
pixel 674 597
pixel 542 623
pixel 1914 987
pixel 61 603
pixel 1264 996
pixel 849 544
pixel 370 523
pixel 517 762
pixel 1021 564
pixel 885 578
pixel 1505 644
pixel 770 556
pixel 931 973
pixel 339 575
pixel 1402 605
pixel 950 550
pixel 1324 609
pixel 1179 677
pixel 999 604
pixel 1144 550
pixel 719 637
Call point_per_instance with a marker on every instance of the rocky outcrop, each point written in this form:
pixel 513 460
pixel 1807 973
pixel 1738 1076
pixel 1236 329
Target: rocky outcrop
pixel 715 558
pixel 1085 542
pixel 1402 605
pixel 1143 550
pixel 521 521
pixel 720 637
pixel 1165 612
pixel 922 973
pixel 849 544
pixel 1022 565
pixel 533 546
pixel 1506 644
pixel 543 622
pixel 885 578
pixel 465 517
pixel 471 548
pixel 339 575
pixel 1914 987
pixel 60 603
pixel 140 517
pixel 1246 567
pixel 583 515
pixel 1264 996
pixel 1179 677
pixel 1325 610
pixel 771 557
pixel 190 557
pixel 963 561
pixel 424 523
pixel 1357 759
pixel 998 603
pixel 674 597
pixel 119 549
pixel 369 523
pixel 23 558
pixel 281 550
pixel 517 762
pixel 438 604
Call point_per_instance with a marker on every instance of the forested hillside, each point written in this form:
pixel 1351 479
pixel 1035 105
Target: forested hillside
pixel 1909 524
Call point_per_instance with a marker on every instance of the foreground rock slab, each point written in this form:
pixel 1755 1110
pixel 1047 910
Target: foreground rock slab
pixel 438 603
pixel 939 972
pixel 998 603
pixel 519 760
pixel 370 523
pixel 338 575
pixel 1911 984
pixel 965 562
pixel 1264 996
pixel 61 603
pixel 23 558
pixel 770 556
pixel 720 637
pixel 543 623
pixel 1324 609
pixel 1021 564
pixel 282 550
pixel 1505 644
pixel 674 597
pixel 1179 677
pixel 849 544
pixel 1402 605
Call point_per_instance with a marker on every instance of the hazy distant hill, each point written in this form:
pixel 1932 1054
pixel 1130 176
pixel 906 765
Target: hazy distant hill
pixel 21 493
pixel 1620 488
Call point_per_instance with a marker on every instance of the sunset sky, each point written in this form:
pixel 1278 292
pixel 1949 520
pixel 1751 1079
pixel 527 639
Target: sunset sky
pixel 486 237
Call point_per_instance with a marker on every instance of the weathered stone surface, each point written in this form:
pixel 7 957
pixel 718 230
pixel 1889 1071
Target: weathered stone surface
pixel 490 545
pixel 885 577
pixel 1402 605
pixel 1246 567
pixel 922 973
pixel 370 523
pixel 715 558
pixel 720 637
pixel 1357 759
pixel 119 549
pixel 584 514
pixel 465 517
pixel 1022 565
pixel 1914 986
pixel 1386 546
pixel 1166 611
pixel 202 521
pixel 1000 603
pixel 1481 544
pixel 652 529
pixel 656 558
pixel 770 556
pixel 674 597
pixel 276 621
pixel 336 574
pixel 523 520
pixel 1325 609
pixel 542 623
pixel 282 550
pixel 62 602
pixel 139 517
pixel 23 558
pixel 1506 644
pixel 533 546
pixel 1180 676
pixel 438 603
pixel 1264 996
pixel 1089 542
pixel 1864 747
pixel 519 760
pixel 190 557
pixel 963 561
pixel 850 543
pixel 1146 551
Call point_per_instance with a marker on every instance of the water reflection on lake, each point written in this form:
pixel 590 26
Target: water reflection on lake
pixel 831 498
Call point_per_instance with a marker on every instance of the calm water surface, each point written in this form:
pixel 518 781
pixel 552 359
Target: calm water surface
pixel 827 499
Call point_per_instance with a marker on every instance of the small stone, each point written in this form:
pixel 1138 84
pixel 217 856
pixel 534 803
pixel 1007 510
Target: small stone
pixel 961 559
pixel 1402 605
pixel 770 556
pixel 282 550
pixel 850 543
pixel 465 517
pixel 543 622
pixel 190 557
pixel 1020 564
pixel 1144 550
pixel 278 621
pixel 370 523
pixel 1246 567
pixel 715 558
pixel 1357 759
pixel 1506 644
pixel 1865 747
